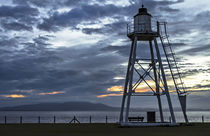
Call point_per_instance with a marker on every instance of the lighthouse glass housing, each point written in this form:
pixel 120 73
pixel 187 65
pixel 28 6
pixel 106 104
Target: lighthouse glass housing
pixel 142 21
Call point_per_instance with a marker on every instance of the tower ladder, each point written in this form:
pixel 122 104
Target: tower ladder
pixel 173 67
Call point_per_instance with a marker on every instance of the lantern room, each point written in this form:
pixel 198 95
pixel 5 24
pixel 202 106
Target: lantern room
pixel 142 21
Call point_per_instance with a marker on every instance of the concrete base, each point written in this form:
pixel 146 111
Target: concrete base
pixel 145 124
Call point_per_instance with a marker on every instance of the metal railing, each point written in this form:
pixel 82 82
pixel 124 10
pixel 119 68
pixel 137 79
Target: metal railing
pixel 82 119
pixel 56 119
pixel 141 27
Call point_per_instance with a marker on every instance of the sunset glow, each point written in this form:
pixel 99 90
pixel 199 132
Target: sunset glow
pixel 115 89
pixel 14 96
pixel 106 95
pixel 52 93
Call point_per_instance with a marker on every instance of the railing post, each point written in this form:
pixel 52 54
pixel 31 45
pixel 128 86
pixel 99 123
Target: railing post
pixel 38 119
pixel 90 120
pixel 21 119
pixel 202 119
pixel 54 121
pixel 5 119
pixel 106 119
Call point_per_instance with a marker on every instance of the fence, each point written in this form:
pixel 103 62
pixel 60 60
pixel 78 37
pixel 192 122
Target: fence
pixel 54 119
pixel 76 119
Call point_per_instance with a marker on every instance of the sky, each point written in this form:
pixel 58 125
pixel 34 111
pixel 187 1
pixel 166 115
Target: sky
pixel 77 50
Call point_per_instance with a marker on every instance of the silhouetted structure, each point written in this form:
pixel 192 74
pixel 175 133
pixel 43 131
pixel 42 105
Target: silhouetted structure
pixel 151 71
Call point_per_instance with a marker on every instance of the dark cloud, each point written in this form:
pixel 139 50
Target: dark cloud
pixel 116 29
pixel 21 13
pixel 199 50
pixel 92 31
pixel 76 16
pixel 202 20
pixel 168 9
pixel 50 3
pixel 40 68
pixel 199 22
pixel 17 26
pixel 18 18
pixel 8 43
pixel 94 12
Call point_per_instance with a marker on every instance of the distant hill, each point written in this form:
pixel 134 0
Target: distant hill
pixel 67 106
pixel 80 106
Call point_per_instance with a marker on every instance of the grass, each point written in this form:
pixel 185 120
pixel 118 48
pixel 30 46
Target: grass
pixel 101 130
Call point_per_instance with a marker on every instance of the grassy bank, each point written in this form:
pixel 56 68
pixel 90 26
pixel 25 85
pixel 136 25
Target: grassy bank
pixel 101 130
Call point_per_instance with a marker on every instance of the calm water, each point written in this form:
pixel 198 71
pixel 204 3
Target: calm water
pixel 84 116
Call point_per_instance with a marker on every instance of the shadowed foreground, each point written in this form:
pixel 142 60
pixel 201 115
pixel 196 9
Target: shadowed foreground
pixel 101 130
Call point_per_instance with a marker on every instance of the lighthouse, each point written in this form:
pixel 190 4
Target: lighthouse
pixel 151 71
pixel 142 21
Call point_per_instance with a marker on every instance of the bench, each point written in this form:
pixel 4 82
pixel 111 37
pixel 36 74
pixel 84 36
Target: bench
pixel 135 119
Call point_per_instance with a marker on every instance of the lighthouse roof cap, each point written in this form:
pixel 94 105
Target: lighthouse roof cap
pixel 143 11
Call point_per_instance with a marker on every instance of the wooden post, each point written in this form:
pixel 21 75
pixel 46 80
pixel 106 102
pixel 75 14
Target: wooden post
pixel 54 120
pixel 170 119
pixel 39 119
pixel 21 119
pixel 5 119
pixel 106 119
pixel 202 119
pixel 90 120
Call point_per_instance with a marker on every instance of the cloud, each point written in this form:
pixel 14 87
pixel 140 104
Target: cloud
pixel 14 96
pixel 52 93
pixel 93 12
pixel 18 18
pixel 49 3
pixel 108 95
pixel 142 49
pixel 115 89
pixel 200 50
pixel 72 70
pixel 17 26
pixel 168 9
pixel 202 19
pixel 77 15
pixel 21 13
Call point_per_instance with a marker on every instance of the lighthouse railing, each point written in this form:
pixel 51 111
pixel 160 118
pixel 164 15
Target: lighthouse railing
pixel 141 28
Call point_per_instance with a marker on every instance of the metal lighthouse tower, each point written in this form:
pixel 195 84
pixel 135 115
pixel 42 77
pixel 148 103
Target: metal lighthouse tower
pixel 151 72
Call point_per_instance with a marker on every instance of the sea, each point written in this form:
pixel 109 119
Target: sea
pixel 90 116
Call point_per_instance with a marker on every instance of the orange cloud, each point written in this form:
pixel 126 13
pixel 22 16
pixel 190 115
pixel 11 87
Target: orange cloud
pixel 143 90
pixel 14 96
pixel 120 89
pixel 106 95
pixel 52 93
pixel 115 89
